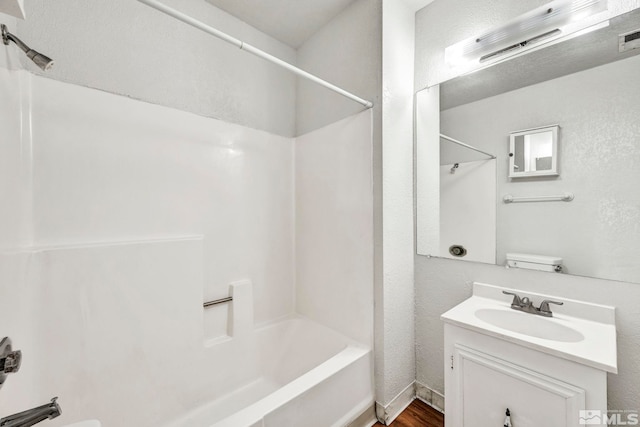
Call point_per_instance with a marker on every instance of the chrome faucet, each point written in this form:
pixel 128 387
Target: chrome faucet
pixel 32 416
pixel 525 304
pixel 10 361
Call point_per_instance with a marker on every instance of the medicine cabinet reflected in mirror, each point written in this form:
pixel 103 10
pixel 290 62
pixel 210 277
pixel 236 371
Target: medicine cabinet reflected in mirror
pixel 533 152
pixel 584 93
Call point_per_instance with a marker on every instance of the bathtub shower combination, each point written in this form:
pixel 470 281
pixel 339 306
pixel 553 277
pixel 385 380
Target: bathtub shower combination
pixel 303 374
pixel 178 270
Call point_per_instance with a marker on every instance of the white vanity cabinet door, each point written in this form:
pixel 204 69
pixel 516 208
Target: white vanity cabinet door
pixel 486 386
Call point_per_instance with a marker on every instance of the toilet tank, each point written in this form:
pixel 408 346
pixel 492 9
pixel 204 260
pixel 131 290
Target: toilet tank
pixel 535 262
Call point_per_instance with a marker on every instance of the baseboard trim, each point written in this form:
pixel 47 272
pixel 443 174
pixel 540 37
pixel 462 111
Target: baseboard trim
pixel 386 414
pixel 430 396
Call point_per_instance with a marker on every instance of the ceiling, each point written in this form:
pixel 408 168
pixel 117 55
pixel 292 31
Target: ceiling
pixel 290 21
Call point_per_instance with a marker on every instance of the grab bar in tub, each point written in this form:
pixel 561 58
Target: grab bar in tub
pixel 218 301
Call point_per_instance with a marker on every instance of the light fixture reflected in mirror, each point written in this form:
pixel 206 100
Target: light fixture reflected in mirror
pixel 551 21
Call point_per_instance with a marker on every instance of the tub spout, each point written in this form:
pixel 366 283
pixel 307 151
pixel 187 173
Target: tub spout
pixel 32 416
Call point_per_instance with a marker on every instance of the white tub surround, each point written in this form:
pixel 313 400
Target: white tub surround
pixel 123 218
pixel 302 374
pixel 87 423
pixel 334 227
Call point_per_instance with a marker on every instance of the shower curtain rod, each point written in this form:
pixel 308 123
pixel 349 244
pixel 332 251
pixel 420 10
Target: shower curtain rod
pixel 455 141
pixel 251 49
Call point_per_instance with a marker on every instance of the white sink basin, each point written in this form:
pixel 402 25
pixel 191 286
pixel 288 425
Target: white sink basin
pixel 529 324
pixel 579 331
pixel 87 423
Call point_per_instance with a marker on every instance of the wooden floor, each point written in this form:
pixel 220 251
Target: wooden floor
pixel 418 414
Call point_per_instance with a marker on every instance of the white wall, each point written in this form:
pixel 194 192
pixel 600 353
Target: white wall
pixel 347 53
pixel 468 210
pixel 334 226
pixel 127 48
pixel 396 365
pixel 441 284
pixel 596 234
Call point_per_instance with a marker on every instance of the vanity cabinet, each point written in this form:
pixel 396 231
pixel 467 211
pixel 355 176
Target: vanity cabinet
pixel 541 381
pixel 485 377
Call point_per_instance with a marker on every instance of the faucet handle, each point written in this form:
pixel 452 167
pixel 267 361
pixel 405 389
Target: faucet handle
pixel 517 302
pixel 9 360
pixel 544 305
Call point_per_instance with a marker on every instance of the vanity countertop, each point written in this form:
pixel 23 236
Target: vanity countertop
pixel 578 331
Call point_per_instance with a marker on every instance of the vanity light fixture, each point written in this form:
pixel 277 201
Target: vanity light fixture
pixel 550 21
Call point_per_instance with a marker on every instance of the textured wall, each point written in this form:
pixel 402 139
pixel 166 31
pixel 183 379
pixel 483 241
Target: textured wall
pixel 597 233
pixel 9 58
pixel 441 284
pixel 127 48
pixel 347 53
pixel 13 8
pixel 398 365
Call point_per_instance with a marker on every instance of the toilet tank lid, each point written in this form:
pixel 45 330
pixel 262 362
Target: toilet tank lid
pixel 536 259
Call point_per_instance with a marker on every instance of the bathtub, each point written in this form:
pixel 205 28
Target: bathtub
pixel 304 374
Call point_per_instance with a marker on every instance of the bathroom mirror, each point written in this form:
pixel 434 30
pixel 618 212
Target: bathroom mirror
pixel 533 152
pixel 584 94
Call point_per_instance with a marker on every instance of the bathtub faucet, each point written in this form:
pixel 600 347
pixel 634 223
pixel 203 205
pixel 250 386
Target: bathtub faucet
pixel 32 416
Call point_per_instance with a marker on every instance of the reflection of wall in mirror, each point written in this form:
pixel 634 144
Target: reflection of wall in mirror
pixel 538 151
pixel 468 210
pixel 597 234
